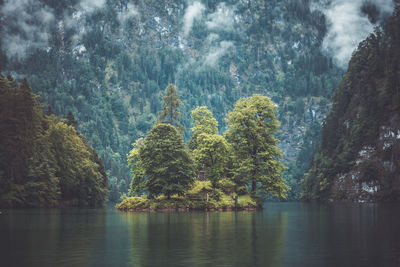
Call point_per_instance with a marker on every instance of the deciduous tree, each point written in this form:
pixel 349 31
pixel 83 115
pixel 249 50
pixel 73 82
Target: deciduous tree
pixel 252 125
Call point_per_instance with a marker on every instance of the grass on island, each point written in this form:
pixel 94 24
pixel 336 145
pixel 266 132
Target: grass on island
pixel 221 198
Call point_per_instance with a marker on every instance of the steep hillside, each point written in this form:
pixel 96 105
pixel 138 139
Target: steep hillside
pixel 109 62
pixel 44 162
pixel 359 158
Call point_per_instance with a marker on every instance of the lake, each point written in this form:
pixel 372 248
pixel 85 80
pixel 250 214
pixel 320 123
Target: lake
pixel 283 234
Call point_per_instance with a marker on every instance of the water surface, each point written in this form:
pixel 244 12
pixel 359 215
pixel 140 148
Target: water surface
pixel 283 234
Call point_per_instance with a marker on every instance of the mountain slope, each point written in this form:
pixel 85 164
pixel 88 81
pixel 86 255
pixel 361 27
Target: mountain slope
pixel 109 64
pixel 359 158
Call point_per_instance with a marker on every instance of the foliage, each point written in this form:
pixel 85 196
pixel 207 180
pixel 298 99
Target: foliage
pixel 204 123
pixel 211 156
pixel 366 102
pixel 208 148
pixel 166 163
pixel 256 157
pixel 114 87
pixel 169 113
pixel 226 185
pixel 43 161
pixel 137 170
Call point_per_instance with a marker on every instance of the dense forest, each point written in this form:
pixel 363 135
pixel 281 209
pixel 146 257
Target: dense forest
pixel 109 64
pixel 44 161
pixel 359 154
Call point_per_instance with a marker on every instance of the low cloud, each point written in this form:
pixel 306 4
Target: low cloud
pixel 89 6
pixel 128 13
pixel 193 11
pixel 26 26
pixel 348 23
pixel 212 58
pixel 222 18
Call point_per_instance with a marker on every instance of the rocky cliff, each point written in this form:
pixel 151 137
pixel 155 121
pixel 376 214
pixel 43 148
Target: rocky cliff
pixel 359 154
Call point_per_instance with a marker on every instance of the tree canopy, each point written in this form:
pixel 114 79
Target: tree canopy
pixel 204 122
pixel 248 157
pixel 170 104
pixel 167 164
pixel 43 161
pixel 256 156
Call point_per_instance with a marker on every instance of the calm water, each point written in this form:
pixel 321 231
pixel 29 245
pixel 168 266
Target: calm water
pixel 284 234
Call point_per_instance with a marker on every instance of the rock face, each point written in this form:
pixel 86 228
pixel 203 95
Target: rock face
pixel 359 155
pixel 374 175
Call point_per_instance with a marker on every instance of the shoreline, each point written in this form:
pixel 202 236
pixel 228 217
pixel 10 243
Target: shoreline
pixel 189 209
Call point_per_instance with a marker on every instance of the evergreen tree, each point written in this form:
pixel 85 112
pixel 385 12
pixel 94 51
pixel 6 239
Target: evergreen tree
pixel 49 110
pixel 170 104
pixel 71 120
pixel 252 125
pixel 43 161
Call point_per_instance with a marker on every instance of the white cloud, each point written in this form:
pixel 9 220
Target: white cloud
pixel 347 26
pixel 89 6
pixel 222 19
pixel 212 58
pixel 193 12
pixel 128 13
pixel 26 27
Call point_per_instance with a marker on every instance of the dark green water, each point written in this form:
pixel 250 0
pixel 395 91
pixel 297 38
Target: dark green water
pixel 284 234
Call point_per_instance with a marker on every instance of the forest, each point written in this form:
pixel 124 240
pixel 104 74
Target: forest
pixel 109 63
pixel 44 161
pixel 200 133
pixel 109 66
pixel 358 154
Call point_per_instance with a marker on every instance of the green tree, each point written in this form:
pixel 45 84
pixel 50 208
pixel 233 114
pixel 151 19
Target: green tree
pixel 71 119
pixel 211 156
pixel 204 122
pixel 137 171
pixel 252 125
pixel 208 148
pixel 167 165
pixel 170 104
pixel 43 161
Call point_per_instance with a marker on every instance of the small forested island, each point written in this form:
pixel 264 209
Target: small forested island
pixel 234 171
pixel 44 161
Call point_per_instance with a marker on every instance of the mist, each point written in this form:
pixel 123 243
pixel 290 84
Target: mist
pixel 212 58
pixel 221 19
pixel 193 11
pixel 29 24
pixel 26 26
pixel 348 23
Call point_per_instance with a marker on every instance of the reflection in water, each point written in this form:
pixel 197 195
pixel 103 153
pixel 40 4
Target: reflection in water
pixel 201 238
pixel 284 234
pixel 47 237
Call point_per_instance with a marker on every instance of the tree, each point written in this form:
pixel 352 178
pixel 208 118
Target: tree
pixel 137 170
pixel 43 161
pixel 71 119
pixel 169 113
pixel 256 157
pixel 166 163
pixel 209 149
pixel 204 122
pixel 211 156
